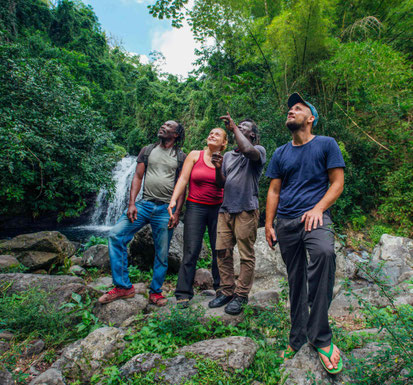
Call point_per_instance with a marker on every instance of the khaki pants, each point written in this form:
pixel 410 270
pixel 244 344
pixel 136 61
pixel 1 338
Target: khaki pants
pixel 240 229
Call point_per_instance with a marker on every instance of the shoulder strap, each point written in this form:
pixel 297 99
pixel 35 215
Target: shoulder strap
pixel 146 154
pixel 181 158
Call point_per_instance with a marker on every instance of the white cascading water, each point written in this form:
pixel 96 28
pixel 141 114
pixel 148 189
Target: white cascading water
pixel 108 212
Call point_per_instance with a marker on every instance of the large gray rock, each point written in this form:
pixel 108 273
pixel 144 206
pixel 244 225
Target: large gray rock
pixel 176 370
pixel 141 250
pixel 49 377
pixel 404 293
pixel 140 363
pixel 83 358
pixel 264 300
pixel 305 369
pixel 203 279
pixel 102 284
pixel 397 255
pixel 118 311
pixel 8 262
pixel 60 287
pixel 347 262
pixel 5 376
pixel 97 256
pixel 231 352
pixel 4 347
pixel 77 270
pixel 345 303
pixel 39 250
pixel 34 348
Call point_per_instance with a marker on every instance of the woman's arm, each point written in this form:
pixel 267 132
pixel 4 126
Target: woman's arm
pixel 183 179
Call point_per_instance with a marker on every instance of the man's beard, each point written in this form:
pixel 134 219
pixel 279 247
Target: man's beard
pixel 293 126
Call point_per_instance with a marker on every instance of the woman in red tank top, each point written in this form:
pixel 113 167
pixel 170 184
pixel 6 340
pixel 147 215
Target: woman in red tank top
pixel 202 205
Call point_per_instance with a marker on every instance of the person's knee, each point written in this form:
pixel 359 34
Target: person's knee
pixel 114 234
pixel 324 253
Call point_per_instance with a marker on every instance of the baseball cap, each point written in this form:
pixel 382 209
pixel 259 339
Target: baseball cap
pixel 296 98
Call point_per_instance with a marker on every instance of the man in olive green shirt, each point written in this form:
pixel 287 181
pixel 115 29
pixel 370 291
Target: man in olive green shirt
pixel 161 164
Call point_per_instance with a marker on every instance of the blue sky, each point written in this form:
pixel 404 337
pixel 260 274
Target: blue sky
pixel 129 22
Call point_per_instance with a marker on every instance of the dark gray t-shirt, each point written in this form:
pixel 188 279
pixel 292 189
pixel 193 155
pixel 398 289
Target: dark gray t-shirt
pixel 242 176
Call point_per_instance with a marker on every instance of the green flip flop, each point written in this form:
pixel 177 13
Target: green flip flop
pixel 328 355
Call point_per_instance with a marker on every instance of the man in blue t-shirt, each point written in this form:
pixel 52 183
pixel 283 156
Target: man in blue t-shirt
pixel 307 177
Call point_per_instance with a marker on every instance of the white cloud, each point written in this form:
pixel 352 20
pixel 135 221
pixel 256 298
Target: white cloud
pixel 177 45
pixel 143 59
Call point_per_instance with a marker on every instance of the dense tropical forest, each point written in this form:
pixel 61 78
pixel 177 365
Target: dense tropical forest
pixel 73 102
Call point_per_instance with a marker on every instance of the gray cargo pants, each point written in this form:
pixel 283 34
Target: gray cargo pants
pixel 310 282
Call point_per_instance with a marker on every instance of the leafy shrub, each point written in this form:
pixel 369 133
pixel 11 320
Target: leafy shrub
pixel 93 241
pixel 137 275
pixel 32 312
pixel 82 309
pixel 394 362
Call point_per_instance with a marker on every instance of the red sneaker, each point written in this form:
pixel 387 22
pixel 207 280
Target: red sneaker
pixel 117 293
pixel 157 299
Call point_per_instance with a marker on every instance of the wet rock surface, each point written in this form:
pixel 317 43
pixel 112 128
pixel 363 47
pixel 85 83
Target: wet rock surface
pixel 39 250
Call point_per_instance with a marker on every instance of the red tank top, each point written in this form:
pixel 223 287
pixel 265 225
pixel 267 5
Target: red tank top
pixel 202 187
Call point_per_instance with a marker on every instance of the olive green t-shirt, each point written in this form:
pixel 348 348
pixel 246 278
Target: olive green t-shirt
pixel 160 174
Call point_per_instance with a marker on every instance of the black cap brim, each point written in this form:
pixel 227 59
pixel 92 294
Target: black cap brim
pixel 294 99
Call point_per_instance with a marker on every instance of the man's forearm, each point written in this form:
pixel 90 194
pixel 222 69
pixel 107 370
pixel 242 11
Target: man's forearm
pixel 245 146
pixel 135 188
pixel 219 177
pixel 271 207
pixel 332 194
pixel 180 202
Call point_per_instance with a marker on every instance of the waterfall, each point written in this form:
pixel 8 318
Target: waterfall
pixel 107 212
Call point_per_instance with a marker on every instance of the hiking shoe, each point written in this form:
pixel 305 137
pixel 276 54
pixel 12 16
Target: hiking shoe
pixel 236 305
pixel 117 293
pixel 157 299
pixel 182 303
pixel 220 300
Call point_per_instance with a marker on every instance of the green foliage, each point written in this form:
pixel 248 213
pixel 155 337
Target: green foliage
pixel 95 240
pixel 71 103
pixel 136 275
pixel 137 139
pixel 397 206
pixel 14 269
pixel 396 348
pixel 81 308
pixel 52 145
pixel 32 313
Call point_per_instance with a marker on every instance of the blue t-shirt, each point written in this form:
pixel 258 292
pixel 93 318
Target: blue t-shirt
pixel 303 171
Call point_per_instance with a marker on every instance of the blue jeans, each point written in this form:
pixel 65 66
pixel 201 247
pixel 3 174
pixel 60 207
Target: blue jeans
pixel 122 233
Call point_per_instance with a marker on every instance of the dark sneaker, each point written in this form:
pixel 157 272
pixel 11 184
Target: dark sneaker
pixel 157 299
pixel 236 305
pixel 117 293
pixel 220 300
pixel 182 303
